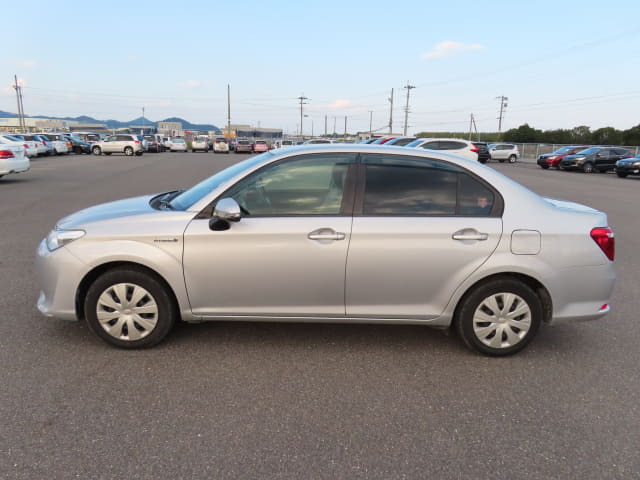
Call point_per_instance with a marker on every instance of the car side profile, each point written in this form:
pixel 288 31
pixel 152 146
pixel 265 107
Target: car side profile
pixel 333 233
pixel 594 159
pixel 454 146
pixel 553 159
pixel 127 144
pixel 504 151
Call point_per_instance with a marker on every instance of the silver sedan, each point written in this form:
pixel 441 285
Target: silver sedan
pixel 335 233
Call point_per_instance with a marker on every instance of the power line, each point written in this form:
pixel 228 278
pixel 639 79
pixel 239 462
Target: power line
pixel 503 105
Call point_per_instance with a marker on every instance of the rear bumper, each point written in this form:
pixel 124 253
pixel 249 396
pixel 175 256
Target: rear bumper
pixel 14 166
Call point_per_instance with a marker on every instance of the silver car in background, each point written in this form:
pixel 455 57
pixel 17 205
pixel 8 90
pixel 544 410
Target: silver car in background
pixel 333 233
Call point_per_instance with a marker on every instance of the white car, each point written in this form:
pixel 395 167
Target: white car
pixel 60 146
pixel 12 159
pixel 166 143
pixel 454 146
pixel 178 145
pixel 220 145
pixel 504 151
pixel 30 147
pixel 41 145
pixel 200 143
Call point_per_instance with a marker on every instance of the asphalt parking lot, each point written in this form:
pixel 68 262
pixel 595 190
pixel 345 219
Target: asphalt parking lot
pixel 263 400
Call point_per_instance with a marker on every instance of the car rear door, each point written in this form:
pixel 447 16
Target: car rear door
pixel 287 254
pixel 420 228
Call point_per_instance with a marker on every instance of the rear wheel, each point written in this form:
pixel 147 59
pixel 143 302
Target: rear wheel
pixel 512 159
pixel 587 167
pixel 128 151
pixel 95 150
pixel 499 317
pixel 129 308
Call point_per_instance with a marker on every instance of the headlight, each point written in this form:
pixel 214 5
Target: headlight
pixel 552 158
pixel 59 238
pixel 636 164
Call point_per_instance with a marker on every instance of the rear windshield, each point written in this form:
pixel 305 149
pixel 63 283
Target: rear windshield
pixel 261 142
pixel 221 140
pixel 177 140
pixel 415 143
pixel 243 142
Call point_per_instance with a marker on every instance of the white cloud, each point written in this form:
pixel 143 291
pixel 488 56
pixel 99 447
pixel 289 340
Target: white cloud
pixel 448 48
pixel 190 84
pixel 340 103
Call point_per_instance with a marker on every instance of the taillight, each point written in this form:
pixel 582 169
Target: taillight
pixel 474 149
pixel 4 154
pixel 606 240
pixel 137 141
pixel 25 146
pixel 44 143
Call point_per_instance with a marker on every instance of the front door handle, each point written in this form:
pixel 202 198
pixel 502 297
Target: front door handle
pixel 326 234
pixel 469 234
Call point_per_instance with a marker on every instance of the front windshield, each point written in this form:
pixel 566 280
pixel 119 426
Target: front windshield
pixel 588 151
pixel 189 197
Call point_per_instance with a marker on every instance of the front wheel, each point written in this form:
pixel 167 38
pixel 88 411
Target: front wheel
pixel 587 167
pixel 129 308
pixel 499 317
pixel 512 159
pixel 544 167
pixel 96 150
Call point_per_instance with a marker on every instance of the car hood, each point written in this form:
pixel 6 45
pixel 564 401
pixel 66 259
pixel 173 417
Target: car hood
pixel 104 211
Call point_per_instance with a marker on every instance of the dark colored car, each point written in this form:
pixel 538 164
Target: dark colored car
pixel 401 141
pixel 244 146
pixel 628 166
pixel 154 143
pixel 483 151
pixel 552 159
pixel 78 146
pixel 595 159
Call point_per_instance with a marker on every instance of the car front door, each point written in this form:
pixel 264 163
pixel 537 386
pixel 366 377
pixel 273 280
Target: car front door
pixel 108 146
pixel 286 256
pixel 420 228
pixel 603 159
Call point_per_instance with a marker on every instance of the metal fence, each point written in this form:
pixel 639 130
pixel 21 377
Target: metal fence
pixel 532 150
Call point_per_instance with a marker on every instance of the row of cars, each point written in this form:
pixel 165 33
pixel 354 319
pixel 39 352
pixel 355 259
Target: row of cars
pixel 480 151
pixel 592 159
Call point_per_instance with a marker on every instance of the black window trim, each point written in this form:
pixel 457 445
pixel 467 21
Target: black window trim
pixel 358 210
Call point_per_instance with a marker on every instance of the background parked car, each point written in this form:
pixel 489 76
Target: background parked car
pixel 12 158
pixel 628 166
pixel 166 143
pixel 243 146
pixel 178 145
pixel 547 160
pixel 317 141
pixel 200 143
pixel 220 145
pixel 59 143
pixel 260 146
pixel 126 143
pixel 483 151
pixel 78 145
pixel 595 159
pixel 44 148
pixel 154 143
pixel 401 141
pixel 33 147
pixel 454 146
pixel 504 151
pixel 30 149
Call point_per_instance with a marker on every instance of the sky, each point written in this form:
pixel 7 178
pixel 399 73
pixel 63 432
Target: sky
pixel 560 63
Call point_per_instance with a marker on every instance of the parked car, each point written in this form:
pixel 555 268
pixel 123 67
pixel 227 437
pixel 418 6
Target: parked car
pixel 220 145
pixel 483 151
pixel 317 141
pixel 286 143
pixel 595 159
pixel 79 146
pixel 32 143
pixel 454 146
pixel 244 146
pixel 154 143
pixel 30 148
pixel 126 143
pixel 427 238
pixel 44 148
pixel 628 166
pixel 178 145
pixel 382 140
pixel 260 146
pixel 504 151
pixel 59 144
pixel 200 143
pixel 12 158
pixel 88 137
pixel 166 143
pixel 400 141
pixel 547 160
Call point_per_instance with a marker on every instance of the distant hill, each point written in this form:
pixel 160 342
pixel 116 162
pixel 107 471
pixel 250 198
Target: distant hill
pixel 118 124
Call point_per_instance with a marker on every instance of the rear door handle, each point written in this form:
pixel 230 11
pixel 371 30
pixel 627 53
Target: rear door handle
pixel 326 234
pixel 469 235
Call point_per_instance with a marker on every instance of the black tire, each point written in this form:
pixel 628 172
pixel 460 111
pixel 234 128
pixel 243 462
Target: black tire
pixel 501 160
pixel 166 310
pixel 588 167
pixel 512 159
pixel 95 151
pixel 139 154
pixel 128 151
pixel 622 174
pixel 77 150
pixel 544 167
pixel 473 300
pixel 107 153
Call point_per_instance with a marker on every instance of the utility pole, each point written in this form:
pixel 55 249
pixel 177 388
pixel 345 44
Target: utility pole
pixel 370 123
pixel 142 129
pixel 229 114
pixel 406 108
pixel 325 125
pixel 345 126
pixel 470 125
pixel 390 99
pixel 473 126
pixel 503 106
pixel 302 99
pixel 334 126
pixel 18 90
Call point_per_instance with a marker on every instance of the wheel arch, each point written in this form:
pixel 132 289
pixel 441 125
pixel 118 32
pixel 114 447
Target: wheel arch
pixel 535 285
pixel 92 275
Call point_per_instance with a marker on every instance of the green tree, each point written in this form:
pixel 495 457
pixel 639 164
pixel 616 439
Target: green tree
pixel 581 135
pixel 607 136
pixel 523 134
pixel 631 136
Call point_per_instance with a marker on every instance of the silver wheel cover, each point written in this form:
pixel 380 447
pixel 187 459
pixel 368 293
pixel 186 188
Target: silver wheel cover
pixel 127 311
pixel 502 320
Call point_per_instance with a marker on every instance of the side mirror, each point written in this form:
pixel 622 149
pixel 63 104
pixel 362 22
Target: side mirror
pixel 226 210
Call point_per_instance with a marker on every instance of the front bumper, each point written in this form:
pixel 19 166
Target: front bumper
pixel 629 169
